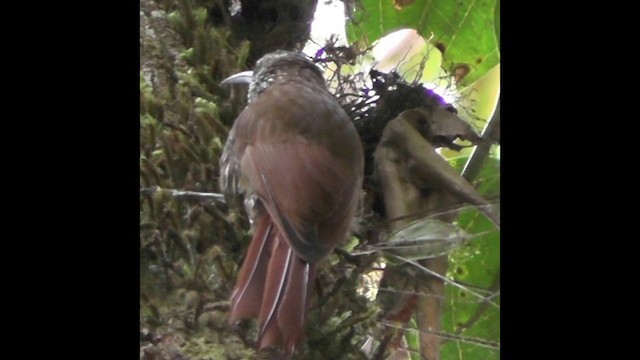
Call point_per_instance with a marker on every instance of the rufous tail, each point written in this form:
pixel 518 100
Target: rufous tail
pixel 274 285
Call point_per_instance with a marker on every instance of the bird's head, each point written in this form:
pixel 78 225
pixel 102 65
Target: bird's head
pixel 278 66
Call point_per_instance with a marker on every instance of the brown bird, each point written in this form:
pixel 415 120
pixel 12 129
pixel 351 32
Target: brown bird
pixel 298 159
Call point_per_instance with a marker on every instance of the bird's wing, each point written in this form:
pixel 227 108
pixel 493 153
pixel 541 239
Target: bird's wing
pixel 299 153
pixel 303 187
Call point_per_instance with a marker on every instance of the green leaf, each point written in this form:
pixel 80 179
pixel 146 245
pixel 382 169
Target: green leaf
pixel 476 265
pixel 497 23
pixel 465 29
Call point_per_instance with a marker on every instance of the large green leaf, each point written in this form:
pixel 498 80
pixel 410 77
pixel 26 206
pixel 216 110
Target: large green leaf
pixel 465 29
pixel 497 21
pixel 477 265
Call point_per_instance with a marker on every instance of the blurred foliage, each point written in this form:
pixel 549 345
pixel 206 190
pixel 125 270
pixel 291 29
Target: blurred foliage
pixel 462 30
pixel 464 36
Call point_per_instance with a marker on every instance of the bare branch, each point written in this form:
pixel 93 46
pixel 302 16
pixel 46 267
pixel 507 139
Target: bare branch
pixel 481 152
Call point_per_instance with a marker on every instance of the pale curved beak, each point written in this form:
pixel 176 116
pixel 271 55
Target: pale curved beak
pixel 245 77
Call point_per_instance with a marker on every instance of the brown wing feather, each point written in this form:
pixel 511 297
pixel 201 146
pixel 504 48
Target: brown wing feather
pixel 308 196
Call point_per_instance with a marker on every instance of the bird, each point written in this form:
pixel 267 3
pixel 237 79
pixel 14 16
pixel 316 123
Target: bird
pixel 297 159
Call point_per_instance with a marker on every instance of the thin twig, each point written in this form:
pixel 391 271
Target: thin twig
pixel 185 195
pixel 447 280
pixel 466 339
pixel 483 306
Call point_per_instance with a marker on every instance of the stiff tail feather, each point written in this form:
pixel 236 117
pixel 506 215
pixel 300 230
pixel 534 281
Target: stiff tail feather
pixel 274 285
